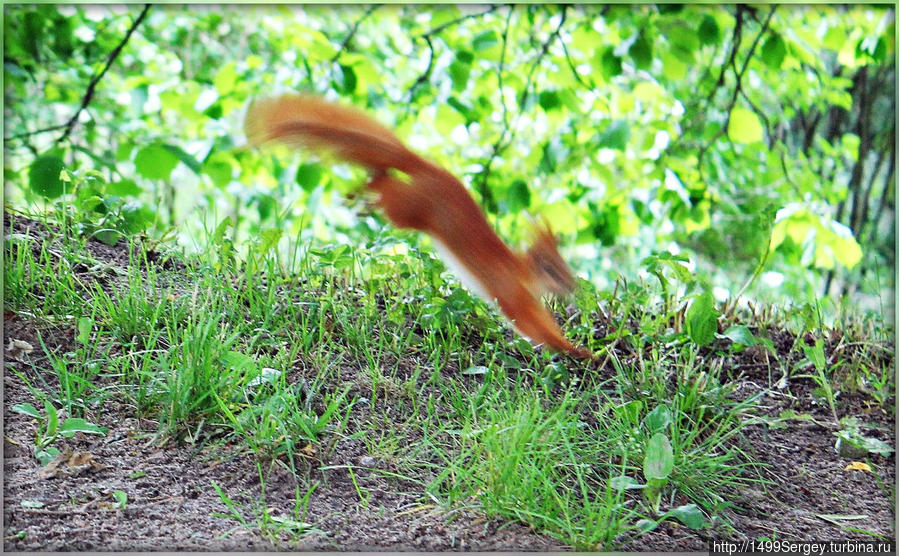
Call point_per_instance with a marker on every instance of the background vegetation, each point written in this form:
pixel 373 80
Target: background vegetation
pixel 746 138
pixel 691 157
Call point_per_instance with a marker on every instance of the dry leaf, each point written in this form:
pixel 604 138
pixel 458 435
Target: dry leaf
pixel 858 466
pixel 18 349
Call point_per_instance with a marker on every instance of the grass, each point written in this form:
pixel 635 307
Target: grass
pixel 374 343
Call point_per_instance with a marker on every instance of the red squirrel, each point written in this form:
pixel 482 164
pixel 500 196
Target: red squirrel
pixel 429 199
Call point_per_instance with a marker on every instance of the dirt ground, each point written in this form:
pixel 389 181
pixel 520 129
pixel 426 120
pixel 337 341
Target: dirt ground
pixel 172 504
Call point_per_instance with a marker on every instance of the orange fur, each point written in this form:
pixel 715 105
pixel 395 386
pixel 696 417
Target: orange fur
pixel 432 201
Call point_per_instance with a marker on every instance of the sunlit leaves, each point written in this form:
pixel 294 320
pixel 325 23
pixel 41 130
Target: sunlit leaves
pixel 744 126
pixel 155 162
pixel 225 79
pixel 826 242
pixel 615 135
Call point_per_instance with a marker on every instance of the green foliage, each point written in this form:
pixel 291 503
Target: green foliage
pixel 49 429
pixel 636 128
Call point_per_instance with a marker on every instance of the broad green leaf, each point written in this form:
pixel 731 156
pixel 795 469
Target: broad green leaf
pixel 549 100
pixel 702 319
pixel 518 196
pixel 658 463
pixel 629 411
pixel 688 514
pixel 52 418
pixel 673 66
pixel 266 205
pixel 774 50
pixel 184 157
pixel 684 38
pixel 225 79
pixel 744 126
pixel 219 171
pixel 270 238
pixel 309 175
pixel 709 33
pixel 465 110
pixel 658 419
pixel 739 334
pixel 76 424
pixel 641 52
pixel 609 63
pixel 460 70
pixel 155 162
pixel 124 188
pixel 46 455
pixel 832 241
pixel 345 80
pixel 615 135
pixel 136 218
pixel 238 361
pixel 815 354
pixel 27 409
pixel 121 498
pixel 85 325
pixel 487 39
pixel 43 176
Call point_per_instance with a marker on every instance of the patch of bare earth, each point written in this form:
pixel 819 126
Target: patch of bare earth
pixel 172 504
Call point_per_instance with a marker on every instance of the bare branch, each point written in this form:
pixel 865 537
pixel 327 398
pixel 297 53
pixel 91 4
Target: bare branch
pixel 437 30
pixel 353 30
pixel 89 94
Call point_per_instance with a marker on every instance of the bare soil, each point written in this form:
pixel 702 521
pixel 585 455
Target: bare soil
pixel 172 504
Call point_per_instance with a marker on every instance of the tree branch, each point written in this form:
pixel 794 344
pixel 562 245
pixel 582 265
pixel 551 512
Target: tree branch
pixel 89 94
pixel 353 30
pixel 502 143
pixel 440 28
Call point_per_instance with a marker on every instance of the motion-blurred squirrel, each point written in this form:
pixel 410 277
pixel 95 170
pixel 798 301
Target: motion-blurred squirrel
pixel 415 193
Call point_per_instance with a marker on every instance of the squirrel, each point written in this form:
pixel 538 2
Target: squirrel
pixel 418 194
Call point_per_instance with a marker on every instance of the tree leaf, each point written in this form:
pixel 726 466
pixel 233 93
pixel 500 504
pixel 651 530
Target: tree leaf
pixel 309 175
pixel 519 196
pixel 774 50
pixel 744 126
pixel 549 100
pixel 641 52
pixel 709 33
pixel 486 40
pixel 609 63
pixel 615 135
pixel 155 162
